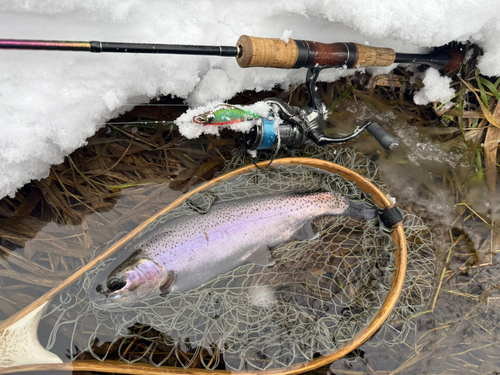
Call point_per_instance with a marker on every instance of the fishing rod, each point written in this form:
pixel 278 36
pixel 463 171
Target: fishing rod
pixel 262 52
pixel 284 126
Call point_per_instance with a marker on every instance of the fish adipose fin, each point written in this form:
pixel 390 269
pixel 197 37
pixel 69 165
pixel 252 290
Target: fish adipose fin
pixel 306 232
pixel 361 209
pixel 262 257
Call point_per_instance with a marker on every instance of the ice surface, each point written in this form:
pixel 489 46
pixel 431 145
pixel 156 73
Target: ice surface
pixel 50 102
pixel 436 88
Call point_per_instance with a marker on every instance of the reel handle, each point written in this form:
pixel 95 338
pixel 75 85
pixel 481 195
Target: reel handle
pixel 386 140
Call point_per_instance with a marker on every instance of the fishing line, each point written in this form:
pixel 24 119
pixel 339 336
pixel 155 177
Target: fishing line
pixel 137 123
pixel 124 104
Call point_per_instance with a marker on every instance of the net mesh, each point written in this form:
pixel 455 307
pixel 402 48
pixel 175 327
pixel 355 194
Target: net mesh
pixel 317 296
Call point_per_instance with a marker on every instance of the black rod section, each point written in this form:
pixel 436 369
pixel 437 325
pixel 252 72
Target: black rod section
pixel 412 58
pixel 177 49
pixel 446 59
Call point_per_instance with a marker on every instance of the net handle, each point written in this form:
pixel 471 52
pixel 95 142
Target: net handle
pixel 120 367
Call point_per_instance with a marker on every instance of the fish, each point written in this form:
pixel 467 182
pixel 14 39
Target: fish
pixel 189 251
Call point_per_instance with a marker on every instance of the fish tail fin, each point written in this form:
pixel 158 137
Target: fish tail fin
pixel 361 209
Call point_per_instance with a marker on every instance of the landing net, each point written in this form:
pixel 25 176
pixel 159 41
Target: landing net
pixel 316 297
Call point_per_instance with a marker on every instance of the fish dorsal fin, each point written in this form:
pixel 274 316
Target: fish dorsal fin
pixel 165 288
pixel 262 256
pixel 306 232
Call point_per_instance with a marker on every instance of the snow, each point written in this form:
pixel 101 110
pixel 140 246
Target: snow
pixel 436 88
pixel 50 102
pixel 287 34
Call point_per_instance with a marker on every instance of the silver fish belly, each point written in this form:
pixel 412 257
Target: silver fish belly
pixel 189 251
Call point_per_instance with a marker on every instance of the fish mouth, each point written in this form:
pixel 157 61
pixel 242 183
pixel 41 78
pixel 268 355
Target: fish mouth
pixel 111 288
pixel 140 280
pixel 103 289
pixel 102 296
pixel 108 299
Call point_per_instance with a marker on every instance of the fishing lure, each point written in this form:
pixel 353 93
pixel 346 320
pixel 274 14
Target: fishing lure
pixel 225 114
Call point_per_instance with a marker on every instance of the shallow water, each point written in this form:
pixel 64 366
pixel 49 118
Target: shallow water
pixel 455 332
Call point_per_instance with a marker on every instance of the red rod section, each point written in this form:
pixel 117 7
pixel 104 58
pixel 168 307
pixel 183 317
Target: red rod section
pixel 44 44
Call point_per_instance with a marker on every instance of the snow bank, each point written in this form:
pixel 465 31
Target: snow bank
pixel 50 102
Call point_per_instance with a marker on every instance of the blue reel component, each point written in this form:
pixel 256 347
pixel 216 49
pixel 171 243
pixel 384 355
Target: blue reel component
pixel 268 134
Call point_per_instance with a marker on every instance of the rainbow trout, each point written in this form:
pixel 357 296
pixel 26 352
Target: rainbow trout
pixel 189 251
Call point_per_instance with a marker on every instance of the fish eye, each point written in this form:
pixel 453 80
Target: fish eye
pixel 116 284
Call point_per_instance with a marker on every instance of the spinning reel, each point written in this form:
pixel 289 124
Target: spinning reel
pixel 291 127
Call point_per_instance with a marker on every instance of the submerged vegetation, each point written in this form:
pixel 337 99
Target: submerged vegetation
pixel 446 172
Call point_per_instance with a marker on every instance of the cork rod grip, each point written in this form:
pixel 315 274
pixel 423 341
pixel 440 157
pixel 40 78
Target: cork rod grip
pixel 265 52
pixel 373 56
pixel 276 53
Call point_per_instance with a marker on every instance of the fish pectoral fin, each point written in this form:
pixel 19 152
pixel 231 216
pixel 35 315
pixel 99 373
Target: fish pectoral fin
pixel 306 232
pixel 262 256
pixel 167 286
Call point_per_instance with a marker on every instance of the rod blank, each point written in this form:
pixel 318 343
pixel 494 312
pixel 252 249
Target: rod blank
pixel 261 52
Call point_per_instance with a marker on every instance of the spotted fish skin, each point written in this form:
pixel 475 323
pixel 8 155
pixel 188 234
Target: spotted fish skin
pixel 189 251
pixel 199 248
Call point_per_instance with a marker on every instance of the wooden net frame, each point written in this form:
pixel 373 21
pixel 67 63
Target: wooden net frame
pixel 400 260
